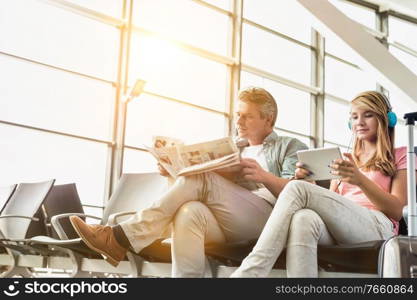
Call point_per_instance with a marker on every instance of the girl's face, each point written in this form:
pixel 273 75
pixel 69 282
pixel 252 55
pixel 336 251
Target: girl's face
pixel 364 123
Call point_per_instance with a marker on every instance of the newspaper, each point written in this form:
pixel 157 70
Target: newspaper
pixel 184 160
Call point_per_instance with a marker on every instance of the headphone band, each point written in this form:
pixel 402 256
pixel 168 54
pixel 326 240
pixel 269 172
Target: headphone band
pixel 387 102
pixel 392 117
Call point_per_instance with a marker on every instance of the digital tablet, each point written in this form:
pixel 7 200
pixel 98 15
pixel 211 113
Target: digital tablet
pixel 318 161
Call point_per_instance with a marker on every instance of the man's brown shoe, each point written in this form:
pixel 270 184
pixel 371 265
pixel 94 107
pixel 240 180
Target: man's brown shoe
pixel 100 239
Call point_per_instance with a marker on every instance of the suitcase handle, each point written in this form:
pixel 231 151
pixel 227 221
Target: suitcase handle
pixel 411 175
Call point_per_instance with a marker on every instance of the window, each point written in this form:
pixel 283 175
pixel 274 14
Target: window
pixel 276 55
pixel 403 32
pixel 336 118
pixel 42 97
pixel 224 4
pixel 186 21
pixel 345 81
pixel 337 47
pixel 408 60
pixel 51 35
pixel 108 7
pixel 401 135
pixel 288 17
pixel 172 72
pixel 401 104
pixel 149 116
pixel 293 105
pixel 50 156
pixel 135 161
pixel 360 14
pixel 301 138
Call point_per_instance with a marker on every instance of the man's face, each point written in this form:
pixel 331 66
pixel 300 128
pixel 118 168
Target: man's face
pixel 250 124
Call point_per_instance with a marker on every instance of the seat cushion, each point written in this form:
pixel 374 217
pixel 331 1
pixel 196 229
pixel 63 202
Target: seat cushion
pixel 157 252
pixel 357 258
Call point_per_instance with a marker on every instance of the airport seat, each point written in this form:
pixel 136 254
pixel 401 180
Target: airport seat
pixel 133 193
pixel 21 219
pixel 5 193
pixel 43 250
pixel 155 260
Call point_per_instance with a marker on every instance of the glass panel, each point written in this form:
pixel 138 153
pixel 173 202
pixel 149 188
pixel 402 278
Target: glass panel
pixel 172 72
pixel 336 117
pixel 408 60
pixel 401 136
pixel 30 155
pixel 402 31
pixel 299 137
pixel 345 81
pixel 92 211
pixel 225 4
pixel 293 104
pixel 338 48
pixel 288 17
pixel 135 161
pixel 54 36
pixel 360 14
pixel 186 21
pixel 108 7
pixel 273 54
pixel 400 105
pixel 148 116
pixel 55 100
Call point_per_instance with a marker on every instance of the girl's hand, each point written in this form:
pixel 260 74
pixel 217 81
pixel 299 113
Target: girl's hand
pixel 347 169
pixel 301 172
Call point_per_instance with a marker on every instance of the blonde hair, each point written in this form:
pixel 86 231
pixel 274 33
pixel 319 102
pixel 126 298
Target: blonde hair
pixel 383 158
pixel 264 99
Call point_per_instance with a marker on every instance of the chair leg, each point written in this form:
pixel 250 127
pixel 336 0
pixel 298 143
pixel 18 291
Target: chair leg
pixel 76 261
pixel 9 270
pixel 17 272
pixel 214 264
pixel 136 263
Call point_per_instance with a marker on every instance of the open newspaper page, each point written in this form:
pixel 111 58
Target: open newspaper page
pixel 208 156
pixel 165 151
pixel 164 141
pixel 220 155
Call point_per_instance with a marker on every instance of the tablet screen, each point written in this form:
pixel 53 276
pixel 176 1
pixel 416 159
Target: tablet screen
pixel 318 161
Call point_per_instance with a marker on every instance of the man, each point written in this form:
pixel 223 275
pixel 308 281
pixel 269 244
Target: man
pixel 208 207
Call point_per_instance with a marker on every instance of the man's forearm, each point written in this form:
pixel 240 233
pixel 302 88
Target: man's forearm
pixel 275 184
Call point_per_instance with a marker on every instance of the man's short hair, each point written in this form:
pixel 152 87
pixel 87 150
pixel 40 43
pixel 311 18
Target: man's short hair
pixel 263 98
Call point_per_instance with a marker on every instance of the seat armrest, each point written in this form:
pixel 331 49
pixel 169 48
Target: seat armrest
pixel 19 216
pixel 55 221
pixel 113 218
pixel 92 206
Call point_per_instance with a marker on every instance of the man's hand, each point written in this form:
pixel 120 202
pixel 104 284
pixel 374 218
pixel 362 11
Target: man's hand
pixel 251 170
pixel 229 172
pixel 162 170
